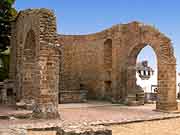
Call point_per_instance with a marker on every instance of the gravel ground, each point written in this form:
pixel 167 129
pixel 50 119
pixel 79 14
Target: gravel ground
pixel 161 127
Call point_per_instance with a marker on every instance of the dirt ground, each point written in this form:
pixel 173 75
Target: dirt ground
pixel 161 127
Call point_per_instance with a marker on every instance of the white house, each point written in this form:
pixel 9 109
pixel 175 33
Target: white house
pixel 146 84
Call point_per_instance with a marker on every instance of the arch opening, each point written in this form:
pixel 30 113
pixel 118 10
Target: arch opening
pixel 146 73
pixel 108 69
pixel 166 77
pixel 29 55
pixel 139 73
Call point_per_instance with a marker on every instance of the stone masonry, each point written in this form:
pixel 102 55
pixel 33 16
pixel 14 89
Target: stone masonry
pixel 35 61
pixel 104 63
pixel 48 68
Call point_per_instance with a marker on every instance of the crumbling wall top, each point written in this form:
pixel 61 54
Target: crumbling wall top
pixel 119 29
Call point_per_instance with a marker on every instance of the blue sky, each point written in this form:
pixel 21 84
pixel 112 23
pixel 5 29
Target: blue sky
pixel 89 16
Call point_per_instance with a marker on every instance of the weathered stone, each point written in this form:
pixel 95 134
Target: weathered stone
pixel 7 92
pixel 34 66
pixel 45 65
pixel 105 64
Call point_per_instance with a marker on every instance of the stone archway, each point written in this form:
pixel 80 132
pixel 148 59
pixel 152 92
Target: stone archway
pixel 166 64
pixel 121 44
pixel 28 73
pixel 34 66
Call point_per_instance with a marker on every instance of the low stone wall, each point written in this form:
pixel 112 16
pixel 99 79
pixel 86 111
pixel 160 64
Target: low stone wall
pixel 84 130
pixel 7 92
pixel 69 130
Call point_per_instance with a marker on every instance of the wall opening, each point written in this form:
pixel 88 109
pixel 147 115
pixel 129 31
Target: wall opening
pixel 108 54
pixel 146 72
pixel 29 67
pixel 107 69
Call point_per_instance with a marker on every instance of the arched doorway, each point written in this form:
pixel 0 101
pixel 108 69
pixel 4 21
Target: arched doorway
pixel 166 95
pixel 35 62
pixel 146 73
pixel 29 55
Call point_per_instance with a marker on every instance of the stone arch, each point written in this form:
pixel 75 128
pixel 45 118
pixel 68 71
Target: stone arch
pixel 166 65
pixel 34 68
pixel 145 77
pixel 28 62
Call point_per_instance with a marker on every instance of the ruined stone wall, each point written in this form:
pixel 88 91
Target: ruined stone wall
pixel 105 64
pixel 35 61
pixel 82 65
pixel 91 60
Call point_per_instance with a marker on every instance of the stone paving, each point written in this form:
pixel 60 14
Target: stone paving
pixel 107 114
pixel 92 113
pixel 85 115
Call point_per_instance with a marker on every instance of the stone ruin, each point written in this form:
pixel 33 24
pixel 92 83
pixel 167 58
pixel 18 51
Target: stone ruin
pixel 35 61
pixel 50 68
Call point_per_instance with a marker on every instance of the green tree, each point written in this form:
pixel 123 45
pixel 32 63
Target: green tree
pixel 4 64
pixel 7 15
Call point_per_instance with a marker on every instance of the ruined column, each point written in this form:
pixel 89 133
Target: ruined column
pixel 167 87
pixel 47 98
pixel 48 68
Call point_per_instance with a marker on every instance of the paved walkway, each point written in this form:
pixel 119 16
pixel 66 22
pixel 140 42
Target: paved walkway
pixel 106 113
pixel 89 113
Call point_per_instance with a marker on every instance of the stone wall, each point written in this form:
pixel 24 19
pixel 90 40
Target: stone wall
pixel 7 93
pixel 95 66
pixel 62 130
pixel 35 61
pixel 81 65
pixel 104 63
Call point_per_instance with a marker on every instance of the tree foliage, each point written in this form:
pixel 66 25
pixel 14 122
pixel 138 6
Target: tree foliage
pixel 4 68
pixel 7 15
